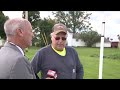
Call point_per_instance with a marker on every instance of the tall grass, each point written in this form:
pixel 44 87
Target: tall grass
pixel 89 57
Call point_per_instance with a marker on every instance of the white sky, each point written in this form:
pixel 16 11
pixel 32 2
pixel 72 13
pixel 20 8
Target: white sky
pixel 111 19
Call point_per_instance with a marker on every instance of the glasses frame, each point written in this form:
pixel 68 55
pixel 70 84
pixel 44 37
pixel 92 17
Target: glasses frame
pixel 62 38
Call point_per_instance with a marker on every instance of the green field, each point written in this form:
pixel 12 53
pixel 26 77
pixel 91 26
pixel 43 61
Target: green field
pixel 90 59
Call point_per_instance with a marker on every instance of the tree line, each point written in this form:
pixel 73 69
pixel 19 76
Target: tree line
pixel 77 22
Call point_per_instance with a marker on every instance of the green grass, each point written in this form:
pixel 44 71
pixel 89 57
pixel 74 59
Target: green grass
pixel 90 59
pixel 31 52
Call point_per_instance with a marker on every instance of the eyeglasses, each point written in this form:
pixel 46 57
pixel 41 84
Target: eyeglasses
pixel 58 38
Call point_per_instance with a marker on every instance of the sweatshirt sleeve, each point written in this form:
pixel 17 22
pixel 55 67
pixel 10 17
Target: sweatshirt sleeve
pixel 36 63
pixel 79 67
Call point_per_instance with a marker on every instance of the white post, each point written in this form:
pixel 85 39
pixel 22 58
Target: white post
pixel 101 52
pixel 26 15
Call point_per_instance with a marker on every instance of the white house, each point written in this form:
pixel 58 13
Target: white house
pixel 73 42
pixel 107 43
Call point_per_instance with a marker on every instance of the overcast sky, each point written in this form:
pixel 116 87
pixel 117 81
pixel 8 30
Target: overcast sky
pixel 111 19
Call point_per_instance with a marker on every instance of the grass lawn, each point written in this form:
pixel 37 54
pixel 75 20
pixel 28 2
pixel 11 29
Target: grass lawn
pixel 90 59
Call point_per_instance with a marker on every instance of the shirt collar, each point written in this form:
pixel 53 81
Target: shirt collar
pixel 18 48
pixel 62 53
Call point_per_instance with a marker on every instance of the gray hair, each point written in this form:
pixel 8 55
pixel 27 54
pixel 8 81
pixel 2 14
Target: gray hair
pixel 12 24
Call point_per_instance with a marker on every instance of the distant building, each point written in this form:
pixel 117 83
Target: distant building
pixel 107 43
pixel 71 41
pixel 115 43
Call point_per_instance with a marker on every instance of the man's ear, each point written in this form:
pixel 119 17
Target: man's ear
pixel 19 32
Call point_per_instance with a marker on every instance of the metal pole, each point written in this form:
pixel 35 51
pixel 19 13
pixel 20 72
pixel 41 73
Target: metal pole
pixel 101 52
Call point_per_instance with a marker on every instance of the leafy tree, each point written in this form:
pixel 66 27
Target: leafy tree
pixel 90 37
pixel 45 28
pixel 3 18
pixel 33 17
pixel 75 20
pixel 41 27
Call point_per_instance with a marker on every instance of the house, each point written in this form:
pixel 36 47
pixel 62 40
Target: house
pixel 107 43
pixel 115 43
pixel 73 41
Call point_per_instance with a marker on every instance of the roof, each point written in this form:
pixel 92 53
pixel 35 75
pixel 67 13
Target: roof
pixel 114 40
pixel 106 40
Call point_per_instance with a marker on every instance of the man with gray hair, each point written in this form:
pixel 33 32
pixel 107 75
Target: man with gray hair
pixel 13 63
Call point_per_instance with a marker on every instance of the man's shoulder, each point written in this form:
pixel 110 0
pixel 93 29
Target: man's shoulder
pixel 16 58
pixel 9 53
pixel 45 48
pixel 69 47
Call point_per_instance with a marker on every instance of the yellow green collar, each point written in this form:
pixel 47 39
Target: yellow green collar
pixel 62 53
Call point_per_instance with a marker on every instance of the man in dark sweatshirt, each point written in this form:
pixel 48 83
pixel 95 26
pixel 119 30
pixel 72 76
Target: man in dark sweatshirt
pixel 58 61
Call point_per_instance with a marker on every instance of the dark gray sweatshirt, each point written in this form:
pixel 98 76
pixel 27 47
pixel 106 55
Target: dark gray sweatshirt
pixel 67 67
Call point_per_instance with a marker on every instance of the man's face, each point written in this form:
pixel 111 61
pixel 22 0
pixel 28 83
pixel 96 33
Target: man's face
pixel 59 41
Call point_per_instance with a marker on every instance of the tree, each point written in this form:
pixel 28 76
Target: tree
pixel 90 37
pixel 41 28
pixel 75 20
pixel 3 18
pixel 45 28
pixel 33 17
